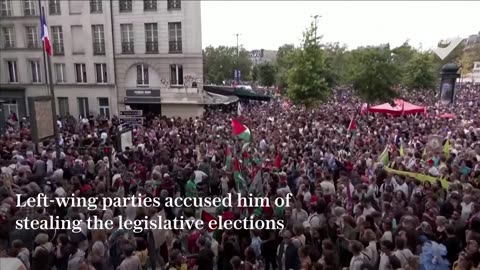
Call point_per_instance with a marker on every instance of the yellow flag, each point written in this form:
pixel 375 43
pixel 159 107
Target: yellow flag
pixel 446 148
pixel 402 152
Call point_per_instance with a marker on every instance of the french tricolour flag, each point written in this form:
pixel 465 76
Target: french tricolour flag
pixel 45 39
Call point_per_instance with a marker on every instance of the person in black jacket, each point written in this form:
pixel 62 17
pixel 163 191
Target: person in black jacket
pixel 287 255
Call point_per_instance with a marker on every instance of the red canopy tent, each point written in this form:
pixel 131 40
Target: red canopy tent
pixel 401 108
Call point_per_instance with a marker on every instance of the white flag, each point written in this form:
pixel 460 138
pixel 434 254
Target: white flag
pixel 239 108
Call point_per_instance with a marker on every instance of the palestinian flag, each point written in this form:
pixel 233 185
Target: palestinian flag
pixel 240 182
pixel 207 217
pixel 228 160
pixel 352 127
pixel 278 161
pixel 240 131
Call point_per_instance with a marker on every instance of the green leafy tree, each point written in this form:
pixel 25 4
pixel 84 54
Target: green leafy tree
pixel 420 72
pixel 245 65
pixel 308 78
pixel 283 64
pixel 339 61
pixel 402 55
pixel 266 74
pixel 375 74
pixel 220 63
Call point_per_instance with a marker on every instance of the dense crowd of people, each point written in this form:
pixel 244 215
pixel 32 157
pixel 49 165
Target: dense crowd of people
pixel 348 211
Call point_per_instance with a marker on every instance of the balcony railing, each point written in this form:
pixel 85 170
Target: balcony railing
pixel 127 47
pixel 58 49
pixel 29 12
pixel 125 5
pixel 151 46
pixel 150 5
pixel 6 12
pixel 174 4
pixel 54 9
pixel 33 44
pixel 175 47
pixel 9 45
pixel 96 6
pixel 98 48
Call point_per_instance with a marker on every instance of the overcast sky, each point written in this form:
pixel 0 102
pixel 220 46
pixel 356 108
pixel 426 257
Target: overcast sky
pixel 269 24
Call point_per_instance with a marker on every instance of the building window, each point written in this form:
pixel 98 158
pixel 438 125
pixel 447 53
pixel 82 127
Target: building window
pixel 10 106
pixel 96 6
pixel 60 75
pixel 35 71
pixel 8 37
pixel 63 106
pixel 101 73
pixel 142 74
pixel 175 37
pixel 126 31
pixel 149 5
pixel 5 8
pixel 104 109
pixel 54 7
pixel 174 4
pixel 83 106
pixel 151 37
pixel 98 37
pixel 80 73
pixel 32 37
pixel 57 40
pixel 125 5
pixel 176 75
pixel 12 71
pixel 29 8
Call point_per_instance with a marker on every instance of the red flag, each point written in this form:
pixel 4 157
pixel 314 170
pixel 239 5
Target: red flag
pixel 237 127
pixel 278 161
pixel 352 126
pixel 206 217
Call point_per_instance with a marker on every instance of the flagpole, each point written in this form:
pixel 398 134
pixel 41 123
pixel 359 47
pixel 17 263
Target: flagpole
pixel 43 46
pixel 52 93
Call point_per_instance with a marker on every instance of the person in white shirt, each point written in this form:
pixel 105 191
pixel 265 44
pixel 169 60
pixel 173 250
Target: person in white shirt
pixel 358 259
pixel 402 186
pixel 466 204
pixel 403 254
pixel 388 260
pixel 370 251
pixel 298 214
pixel 328 187
pixel 390 182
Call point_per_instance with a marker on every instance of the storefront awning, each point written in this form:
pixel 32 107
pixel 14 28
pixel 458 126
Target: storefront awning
pixel 231 91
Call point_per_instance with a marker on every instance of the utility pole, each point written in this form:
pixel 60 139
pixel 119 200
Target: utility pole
pixel 52 92
pixel 237 71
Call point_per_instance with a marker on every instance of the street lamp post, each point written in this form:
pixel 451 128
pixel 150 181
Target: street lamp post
pixel 237 72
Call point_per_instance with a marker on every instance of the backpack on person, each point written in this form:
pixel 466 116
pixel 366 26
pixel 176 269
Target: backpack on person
pixel 367 262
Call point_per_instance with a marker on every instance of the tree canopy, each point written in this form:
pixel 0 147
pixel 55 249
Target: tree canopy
pixel 419 72
pixel 220 63
pixel 266 74
pixel 375 74
pixel 309 77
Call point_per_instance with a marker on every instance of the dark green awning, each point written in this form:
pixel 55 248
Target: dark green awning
pixel 231 91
